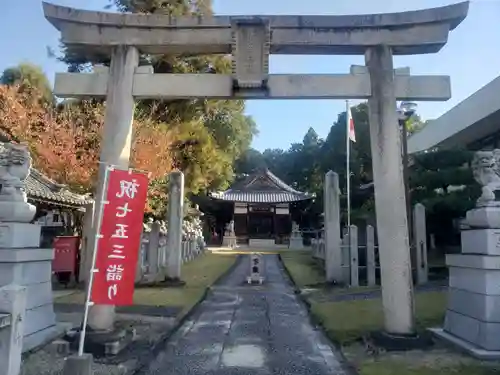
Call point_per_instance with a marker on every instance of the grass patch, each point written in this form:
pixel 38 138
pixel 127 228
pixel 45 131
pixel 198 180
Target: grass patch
pixel 303 268
pixel 308 272
pixel 198 274
pixel 393 367
pixel 348 321
pixel 345 322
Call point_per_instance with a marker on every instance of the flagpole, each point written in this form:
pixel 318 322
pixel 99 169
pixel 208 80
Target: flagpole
pixel 348 164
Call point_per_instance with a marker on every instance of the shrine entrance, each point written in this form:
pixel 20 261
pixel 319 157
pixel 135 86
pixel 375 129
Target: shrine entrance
pixel 261 223
pixel 250 40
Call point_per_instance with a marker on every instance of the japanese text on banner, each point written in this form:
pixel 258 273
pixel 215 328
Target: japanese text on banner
pixel 121 230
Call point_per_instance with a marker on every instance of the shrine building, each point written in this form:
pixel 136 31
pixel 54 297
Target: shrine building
pixel 261 205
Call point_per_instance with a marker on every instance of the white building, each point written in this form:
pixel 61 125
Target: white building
pixel 474 123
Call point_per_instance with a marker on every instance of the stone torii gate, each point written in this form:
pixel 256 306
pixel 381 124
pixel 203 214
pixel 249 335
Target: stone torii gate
pixel 250 40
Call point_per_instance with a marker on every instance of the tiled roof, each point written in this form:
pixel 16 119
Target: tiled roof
pixel 42 188
pixel 263 187
pixel 261 197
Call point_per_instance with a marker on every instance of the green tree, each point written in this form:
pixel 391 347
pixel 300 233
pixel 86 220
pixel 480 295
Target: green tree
pixel 442 181
pixel 29 77
pixel 278 162
pixel 250 161
pixel 334 157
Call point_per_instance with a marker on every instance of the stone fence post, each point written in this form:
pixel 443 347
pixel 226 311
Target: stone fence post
pixel 353 255
pixel 345 258
pixel 187 251
pixel 87 243
pixel 192 247
pixel 175 217
pixel 153 252
pixel 420 236
pixel 163 251
pixel 333 266
pixel 371 265
pixel 140 266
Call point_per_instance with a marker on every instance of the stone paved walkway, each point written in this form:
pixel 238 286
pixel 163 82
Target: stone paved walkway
pixel 249 330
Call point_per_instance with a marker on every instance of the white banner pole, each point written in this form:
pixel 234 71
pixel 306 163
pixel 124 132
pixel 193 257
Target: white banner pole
pixel 98 235
pixel 348 162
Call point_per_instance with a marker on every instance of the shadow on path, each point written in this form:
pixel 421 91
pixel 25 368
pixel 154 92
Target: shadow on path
pixel 241 329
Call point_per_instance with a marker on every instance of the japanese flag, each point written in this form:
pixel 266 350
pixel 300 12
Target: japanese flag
pixel 350 124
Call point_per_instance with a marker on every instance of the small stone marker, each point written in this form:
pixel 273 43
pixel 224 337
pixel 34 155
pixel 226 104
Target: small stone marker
pixel 255 268
pixel 78 365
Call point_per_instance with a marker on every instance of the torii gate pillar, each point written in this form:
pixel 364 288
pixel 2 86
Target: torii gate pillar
pixel 117 144
pixel 390 206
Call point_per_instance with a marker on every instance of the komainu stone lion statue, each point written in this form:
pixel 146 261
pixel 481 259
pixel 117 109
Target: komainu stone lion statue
pixel 15 166
pixel 486 171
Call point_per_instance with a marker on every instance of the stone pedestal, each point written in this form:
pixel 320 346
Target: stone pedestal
pixel 102 343
pixel 261 243
pixel 12 319
pixel 473 315
pixel 13 211
pixel 296 241
pixel 229 240
pixel 22 262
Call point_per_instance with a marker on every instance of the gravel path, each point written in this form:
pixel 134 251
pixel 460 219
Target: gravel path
pixel 246 330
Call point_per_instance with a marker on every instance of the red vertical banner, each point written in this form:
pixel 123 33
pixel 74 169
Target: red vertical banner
pixel 120 236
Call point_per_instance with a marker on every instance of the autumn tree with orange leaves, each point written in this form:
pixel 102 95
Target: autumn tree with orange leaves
pixel 65 140
pixel 200 137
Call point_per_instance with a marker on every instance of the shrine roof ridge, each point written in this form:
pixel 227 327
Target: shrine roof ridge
pixel 453 14
pixel 241 191
pixel 260 197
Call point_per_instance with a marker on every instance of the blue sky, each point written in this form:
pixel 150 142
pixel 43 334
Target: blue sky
pixel 471 57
